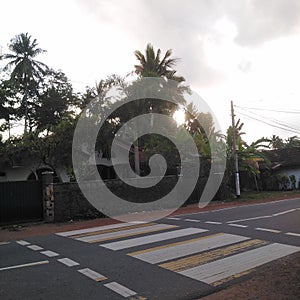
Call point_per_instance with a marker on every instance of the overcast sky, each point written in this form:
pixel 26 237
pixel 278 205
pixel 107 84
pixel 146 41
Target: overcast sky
pixel 247 51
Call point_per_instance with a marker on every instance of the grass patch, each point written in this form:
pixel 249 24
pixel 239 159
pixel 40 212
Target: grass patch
pixel 270 195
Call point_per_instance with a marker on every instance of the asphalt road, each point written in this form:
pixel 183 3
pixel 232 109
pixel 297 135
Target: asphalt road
pixel 180 257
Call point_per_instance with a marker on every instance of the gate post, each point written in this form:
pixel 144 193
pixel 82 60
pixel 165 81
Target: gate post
pixel 48 197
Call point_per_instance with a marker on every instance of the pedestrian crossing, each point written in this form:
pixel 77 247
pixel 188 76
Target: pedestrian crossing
pixel 212 258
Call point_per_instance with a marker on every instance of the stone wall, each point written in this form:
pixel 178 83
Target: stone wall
pixel 70 203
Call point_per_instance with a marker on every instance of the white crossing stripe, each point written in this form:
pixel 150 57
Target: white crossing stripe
pixel 268 230
pixel 92 274
pixel 49 253
pixel 174 218
pixel 25 265
pixel 68 262
pixel 293 234
pixel 4 243
pixel 120 289
pixel 188 248
pixel 212 222
pixel 223 268
pixel 23 243
pixel 238 225
pixel 152 238
pixel 191 220
pixel 124 233
pixel 35 247
pixel 88 230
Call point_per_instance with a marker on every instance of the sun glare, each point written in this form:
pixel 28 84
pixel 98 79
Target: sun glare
pixel 179 117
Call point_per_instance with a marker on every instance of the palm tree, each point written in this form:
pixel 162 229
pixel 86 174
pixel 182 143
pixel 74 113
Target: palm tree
pixel 27 71
pixel 151 64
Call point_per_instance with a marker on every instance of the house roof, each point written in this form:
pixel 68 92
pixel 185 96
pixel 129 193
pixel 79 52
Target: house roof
pixel 287 157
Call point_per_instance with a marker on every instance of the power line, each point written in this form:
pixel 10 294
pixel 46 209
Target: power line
pixel 288 126
pixel 272 110
pixel 272 125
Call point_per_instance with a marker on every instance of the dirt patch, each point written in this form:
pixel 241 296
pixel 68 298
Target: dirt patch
pixel 279 280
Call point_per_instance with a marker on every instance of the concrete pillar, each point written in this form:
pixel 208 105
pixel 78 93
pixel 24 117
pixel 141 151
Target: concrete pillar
pixel 48 196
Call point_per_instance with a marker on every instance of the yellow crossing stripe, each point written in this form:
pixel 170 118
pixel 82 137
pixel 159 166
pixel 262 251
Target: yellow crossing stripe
pixel 111 230
pixel 130 234
pixel 203 258
pixel 173 244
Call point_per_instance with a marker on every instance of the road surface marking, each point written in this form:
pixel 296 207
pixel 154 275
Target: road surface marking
pixel 238 225
pixel 234 207
pixel 238 275
pixel 142 225
pixel 35 247
pixel 173 244
pixel 152 238
pixel 25 265
pixel 268 230
pixel 23 243
pixel 293 234
pixel 212 222
pixel 92 274
pixel 4 243
pixel 191 220
pixel 120 289
pixel 284 212
pixel 228 266
pixel 87 230
pixel 49 253
pixel 203 258
pixel 188 248
pixel 173 218
pixel 249 219
pixel 68 262
pixel 263 217
pixel 125 233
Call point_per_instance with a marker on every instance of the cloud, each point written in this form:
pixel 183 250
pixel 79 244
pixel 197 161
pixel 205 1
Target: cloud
pixel 259 21
pixel 189 28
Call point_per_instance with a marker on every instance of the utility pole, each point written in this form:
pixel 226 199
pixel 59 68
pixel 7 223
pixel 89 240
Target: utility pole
pixel 235 154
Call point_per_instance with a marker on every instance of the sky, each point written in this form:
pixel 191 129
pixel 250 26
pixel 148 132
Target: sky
pixel 247 51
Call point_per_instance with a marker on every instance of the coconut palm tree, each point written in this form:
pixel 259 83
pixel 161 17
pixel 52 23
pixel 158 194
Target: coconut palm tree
pixel 151 64
pixel 26 71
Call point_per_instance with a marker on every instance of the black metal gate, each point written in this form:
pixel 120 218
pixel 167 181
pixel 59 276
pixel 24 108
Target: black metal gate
pixel 20 201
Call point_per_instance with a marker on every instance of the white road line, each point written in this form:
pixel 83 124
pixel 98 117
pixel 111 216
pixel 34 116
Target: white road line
pixel 234 207
pixel 152 238
pixel 120 289
pixel 172 252
pixel 238 225
pixel 263 217
pixel 249 219
pixel 191 220
pixel 268 230
pixel 49 253
pixel 212 222
pixel 119 234
pixel 284 212
pixel 92 274
pixel 293 234
pixel 88 230
pixel 68 262
pixel 228 266
pixel 173 218
pixel 35 247
pixel 25 265
pixel 23 243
